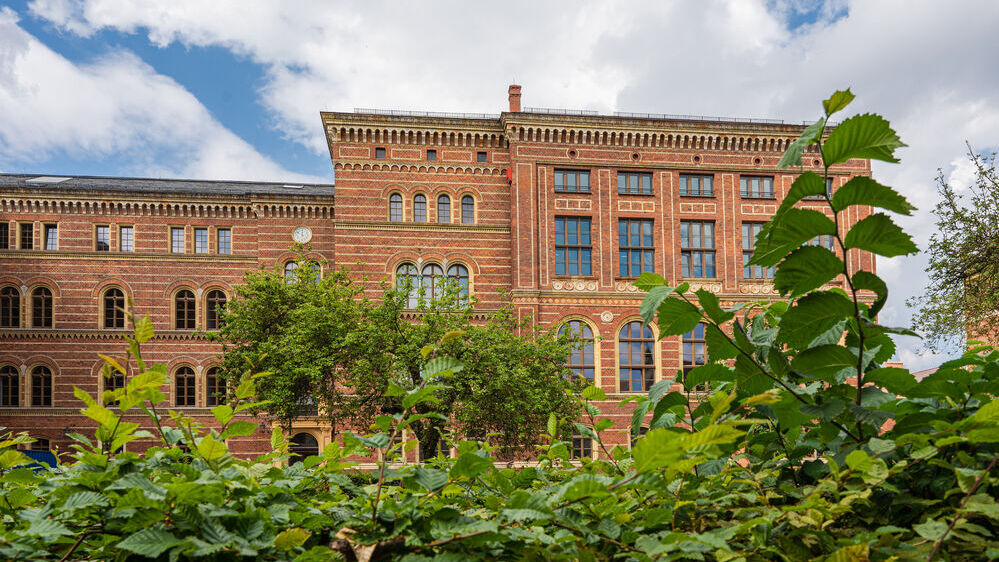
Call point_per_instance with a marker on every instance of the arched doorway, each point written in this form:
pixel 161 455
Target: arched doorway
pixel 302 445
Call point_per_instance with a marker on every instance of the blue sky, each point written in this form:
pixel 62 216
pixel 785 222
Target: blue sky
pixel 227 89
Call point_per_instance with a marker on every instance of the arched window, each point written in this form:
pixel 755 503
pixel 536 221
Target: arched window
pixel 302 445
pixel 406 276
pixel 114 308
pixel 184 387
pixel 467 209
pixel 444 209
pixel 41 308
pixel 10 308
pixel 636 357
pixel 184 308
pixel 395 207
pixel 214 388
pixel 214 302
pixel 430 281
pixel 41 386
pixel 10 379
pixel 458 274
pixel 420 208
pixel 581 356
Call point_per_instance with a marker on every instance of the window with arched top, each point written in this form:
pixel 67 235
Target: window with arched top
pixel 636 357
pixel 444 208
pixel 468 209
pixel 214 387
pixel 581 357
pixel 185 306
pixel 10 384
pixel 41 386
pixel 185 386
pixel 10 307
pixel 395 207
pixel 113 309
pixel 291 273
pixel 41 308
pixel 214 303
pixel 458 274
pixel 406 277
pixel 302 445
pixel 431 281
pixel 419 208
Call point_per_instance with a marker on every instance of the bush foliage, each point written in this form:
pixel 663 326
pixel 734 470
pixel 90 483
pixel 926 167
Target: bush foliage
pixel 806 447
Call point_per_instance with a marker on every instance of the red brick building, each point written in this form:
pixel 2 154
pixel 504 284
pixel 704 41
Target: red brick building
pixel 558 210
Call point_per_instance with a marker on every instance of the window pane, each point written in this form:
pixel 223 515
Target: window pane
pixel 224 242
pixel 103 242
pixel 51 237
pixel 127 239
pixel 177 240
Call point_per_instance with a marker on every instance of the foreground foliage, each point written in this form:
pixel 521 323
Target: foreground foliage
pixel 805 449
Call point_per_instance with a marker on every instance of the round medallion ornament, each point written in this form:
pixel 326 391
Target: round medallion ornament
pixel 302 234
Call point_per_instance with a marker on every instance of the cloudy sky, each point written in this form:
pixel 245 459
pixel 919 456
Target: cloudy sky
pixel 233 89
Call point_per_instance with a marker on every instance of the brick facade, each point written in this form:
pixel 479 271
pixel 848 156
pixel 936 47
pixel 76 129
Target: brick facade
pixel 506 163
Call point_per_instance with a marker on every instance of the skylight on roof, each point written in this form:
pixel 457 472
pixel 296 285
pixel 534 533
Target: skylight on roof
pixel 292 186
pixel 48 179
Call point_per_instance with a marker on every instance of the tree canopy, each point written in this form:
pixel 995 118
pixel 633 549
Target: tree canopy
pixel 962 291
pixel 335 352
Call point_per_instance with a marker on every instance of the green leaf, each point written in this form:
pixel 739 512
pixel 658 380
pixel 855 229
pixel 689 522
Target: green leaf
pixel 594 393
pixel 812 315
pixel 825 411
pixel 246 389
pixel 677 317
pixel 880 235
pixel 48 529
pixel 837 101
pixel 552 425
pixel 861 136
pixel 719 346
pixel 859 460
pixel 441 366
pixel 792 156
pixel 749 378
pixel 871 282
pixel 862 190
pixel 657 449
pixel 210 448
pixel 652 301
pixel 418 395
pixel 806 268
pixel 659 389
pixel 430 478
pixel 113 362
pixel 239 428
pixel 470 465
pixel 807 184
pixel 648 280
pixel 712 372
pixel 830 363
pixel 149 542
pixel 223 413
pixel 709 302
pixel 931 529
pixel 291 538
pixel 143 330
pixel 80 500
pixel 787 232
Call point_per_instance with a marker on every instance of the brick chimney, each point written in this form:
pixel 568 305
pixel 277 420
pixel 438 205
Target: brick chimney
pixel 514 98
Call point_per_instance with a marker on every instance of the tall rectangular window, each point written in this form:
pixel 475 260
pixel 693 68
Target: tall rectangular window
pixel 573 253
pixel 758 187
pixel 694 354
pixel 177 240
pixel 572 181
pixel 697 185
pixel 126 239
pixel 27 236
pixel 749 232
pixel 634 183
pixel 635 247
pixel 102 238
pixel 51 237
pixel 827 241
pixel 200 240
pixel 4 235
pixel 223 242
pixel 697 249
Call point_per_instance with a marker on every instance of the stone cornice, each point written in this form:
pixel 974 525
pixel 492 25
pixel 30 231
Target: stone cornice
pixel 404 166
pixel 126 256
pixel 418 227
pixel 94 334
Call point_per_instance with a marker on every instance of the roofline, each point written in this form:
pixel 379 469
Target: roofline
pixel 178 180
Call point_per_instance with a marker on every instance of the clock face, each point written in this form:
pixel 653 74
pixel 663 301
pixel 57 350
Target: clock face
pixel 302 235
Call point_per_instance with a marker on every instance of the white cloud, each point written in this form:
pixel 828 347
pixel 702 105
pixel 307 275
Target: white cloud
pixel 923 65
pixel 115 107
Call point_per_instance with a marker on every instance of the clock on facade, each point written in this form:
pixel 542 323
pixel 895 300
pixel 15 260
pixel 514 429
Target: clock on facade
pixel 302 234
